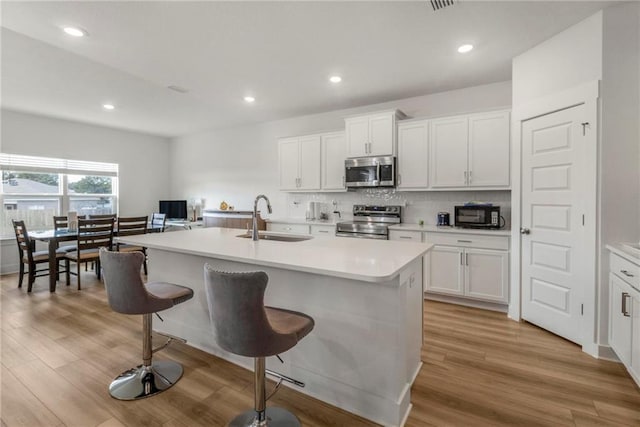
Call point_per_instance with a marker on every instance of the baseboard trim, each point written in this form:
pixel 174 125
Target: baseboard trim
pixel 606 353
pixel 503 308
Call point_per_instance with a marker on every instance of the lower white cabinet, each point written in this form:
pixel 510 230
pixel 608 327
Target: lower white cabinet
pixel 479 272
pixel 288 228
pixel 624 312
pixel 323 230
pixel 620 308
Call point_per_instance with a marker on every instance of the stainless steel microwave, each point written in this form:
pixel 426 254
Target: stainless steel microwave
pixel 370 172
pixel 477 216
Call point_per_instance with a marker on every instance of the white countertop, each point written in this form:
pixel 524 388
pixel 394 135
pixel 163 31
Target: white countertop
pixel 435 228
pixel 358 259
pixel 625 252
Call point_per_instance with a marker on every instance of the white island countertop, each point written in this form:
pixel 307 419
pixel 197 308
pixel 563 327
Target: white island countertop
pixel 357 259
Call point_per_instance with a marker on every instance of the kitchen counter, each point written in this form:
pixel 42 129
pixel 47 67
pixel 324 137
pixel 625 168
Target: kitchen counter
pixel 435 228
pixel 365 260
pixel 632 255
pixel 365 297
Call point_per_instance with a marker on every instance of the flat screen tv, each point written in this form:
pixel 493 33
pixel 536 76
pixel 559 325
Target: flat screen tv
pixel 174 209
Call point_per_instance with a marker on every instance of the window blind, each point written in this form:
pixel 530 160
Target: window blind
pixel 18 162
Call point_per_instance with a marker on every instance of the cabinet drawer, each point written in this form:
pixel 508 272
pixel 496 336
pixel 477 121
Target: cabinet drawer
pixel 323 230
pixel 409 236
pixel 289 228
pixel 626 270
pixel 468 240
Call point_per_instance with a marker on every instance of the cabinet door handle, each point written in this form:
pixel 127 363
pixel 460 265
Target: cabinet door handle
pixel 466 259
pixel 469 177
pixel 624 304
pixel 626 273
pixel 465 241
pixel 399 179
pixel 461 258
pixel 323 231
pixel 406 237
pixel 465 177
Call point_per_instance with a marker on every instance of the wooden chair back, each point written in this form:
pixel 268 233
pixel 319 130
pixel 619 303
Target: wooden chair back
pixel 60 222
pixel 158 219
pixel 102 216
pixel 26 246
pixel 95 233
pixel 130 226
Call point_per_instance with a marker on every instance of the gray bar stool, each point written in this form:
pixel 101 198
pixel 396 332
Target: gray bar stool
pixel 128 294
pixel 244 326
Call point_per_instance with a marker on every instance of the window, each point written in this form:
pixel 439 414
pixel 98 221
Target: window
pixel 37 188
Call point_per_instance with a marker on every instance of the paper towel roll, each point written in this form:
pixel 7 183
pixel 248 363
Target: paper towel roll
pixel 72 220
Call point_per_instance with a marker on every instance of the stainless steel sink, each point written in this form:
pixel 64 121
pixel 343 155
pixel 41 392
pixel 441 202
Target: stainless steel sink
pixel 276 237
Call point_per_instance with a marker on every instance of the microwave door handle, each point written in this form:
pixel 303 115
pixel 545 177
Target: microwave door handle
pixel 378 172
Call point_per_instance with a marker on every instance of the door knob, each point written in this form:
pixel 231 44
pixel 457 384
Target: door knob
pixel 524 230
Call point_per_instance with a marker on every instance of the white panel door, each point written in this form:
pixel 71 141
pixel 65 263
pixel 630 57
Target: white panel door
pixel 448 140
pixel 489 154
pixel 334 152
pixel 357 132
pixel 413 155
pixel 487 274
pixel 553 190
pixel 288 158
pixel 444 270
pixel 381 135
pixel 309 170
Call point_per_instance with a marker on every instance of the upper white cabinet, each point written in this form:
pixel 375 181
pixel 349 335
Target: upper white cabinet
pixel 413 155
pixel 299 163
pixel 334 151
pixel 373 134
pixel 470 151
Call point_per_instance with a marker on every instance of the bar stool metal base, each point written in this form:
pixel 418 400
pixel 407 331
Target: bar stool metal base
pixel 144 381
pixel 276 417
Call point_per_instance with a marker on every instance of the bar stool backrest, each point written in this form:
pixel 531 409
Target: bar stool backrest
pixel 125 289
pixel 236 309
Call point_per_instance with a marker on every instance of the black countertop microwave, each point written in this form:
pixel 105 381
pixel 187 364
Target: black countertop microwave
pixel 477 216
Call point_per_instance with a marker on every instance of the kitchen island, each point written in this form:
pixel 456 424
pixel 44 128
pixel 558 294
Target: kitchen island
pixel 364 295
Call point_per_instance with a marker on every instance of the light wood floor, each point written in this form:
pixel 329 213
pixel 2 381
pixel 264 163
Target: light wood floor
pixel 60 351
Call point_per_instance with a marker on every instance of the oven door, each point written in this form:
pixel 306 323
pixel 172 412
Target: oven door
pixel 362 235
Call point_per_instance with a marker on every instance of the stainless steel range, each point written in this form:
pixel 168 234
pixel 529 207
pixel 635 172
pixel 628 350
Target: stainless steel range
pixel 370 222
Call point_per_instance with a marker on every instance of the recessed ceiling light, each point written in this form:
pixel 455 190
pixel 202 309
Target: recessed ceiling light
pixel 465 48
pixel 335 79
pixel 249 99
pixel 75 31
pixel 108 106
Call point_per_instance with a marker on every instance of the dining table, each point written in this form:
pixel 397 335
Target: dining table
pixel 53 238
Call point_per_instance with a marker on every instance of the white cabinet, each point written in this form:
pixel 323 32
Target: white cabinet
pixel 477 267
pixel 470 151
pixel 288 228
pixel 334 152
pixel 372 135
pixel 413 155
pixel 299 163
pixel 405 235
pixel 624 312
pixel 323 230
pixel 620 308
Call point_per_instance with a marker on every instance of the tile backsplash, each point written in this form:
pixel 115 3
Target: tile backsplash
pixel 419 205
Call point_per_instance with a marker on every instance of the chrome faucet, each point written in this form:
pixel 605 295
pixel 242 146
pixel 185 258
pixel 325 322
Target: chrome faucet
pixel 254 232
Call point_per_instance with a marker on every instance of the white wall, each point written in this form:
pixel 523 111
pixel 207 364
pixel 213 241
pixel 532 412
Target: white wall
pixel 143 159
pixel 237 164
pixel 604 47
pixel 566 60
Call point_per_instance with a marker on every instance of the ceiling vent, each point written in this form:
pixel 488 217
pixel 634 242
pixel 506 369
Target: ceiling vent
pixel 440 4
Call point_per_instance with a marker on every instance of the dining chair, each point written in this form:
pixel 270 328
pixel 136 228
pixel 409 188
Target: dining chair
pixel 30 257
pixel 158 219
pixel 102 216
pixel 93 234
pixel 130 226
pixel 63 222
